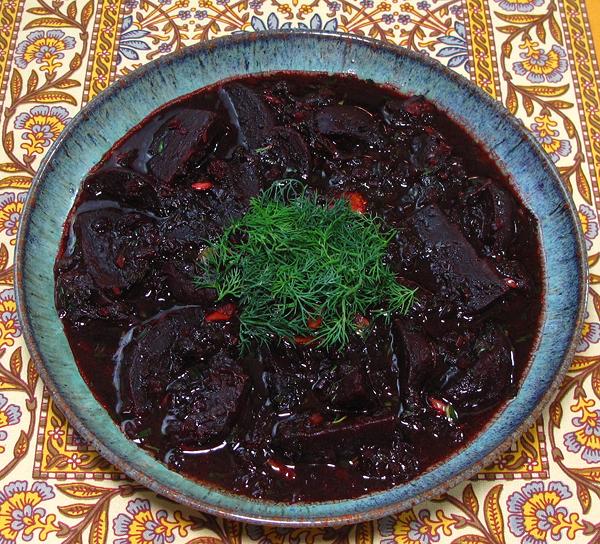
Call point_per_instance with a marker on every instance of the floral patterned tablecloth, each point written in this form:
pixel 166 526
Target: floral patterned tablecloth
pixel 535 56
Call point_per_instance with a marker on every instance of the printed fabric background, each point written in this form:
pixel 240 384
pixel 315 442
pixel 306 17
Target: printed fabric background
pixel 535 56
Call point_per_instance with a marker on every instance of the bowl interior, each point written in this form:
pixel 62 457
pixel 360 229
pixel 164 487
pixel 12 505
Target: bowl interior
pixel 125 104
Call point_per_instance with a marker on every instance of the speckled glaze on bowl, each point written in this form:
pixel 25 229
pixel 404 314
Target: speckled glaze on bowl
pixel 122 106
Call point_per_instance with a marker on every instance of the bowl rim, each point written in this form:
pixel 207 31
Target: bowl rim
pixel 232 512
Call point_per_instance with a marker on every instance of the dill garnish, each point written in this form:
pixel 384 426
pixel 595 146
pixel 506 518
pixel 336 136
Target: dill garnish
pixel 293 259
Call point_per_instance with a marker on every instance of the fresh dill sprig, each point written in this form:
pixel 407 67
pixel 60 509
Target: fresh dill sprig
pixel 293 259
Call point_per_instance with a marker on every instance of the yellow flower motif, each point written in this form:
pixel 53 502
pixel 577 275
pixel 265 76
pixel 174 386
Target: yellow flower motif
pixel 46 48
pixel 42 125
pixel 545 131
pixel 408 528
pixel 20 513
pixel 589 224
pixel 538 65
pixel 586 439
pixel 11 206
pixel 305 10
pixel 9 415
pixel 535 513
pixel 140 526
pixel 205 3
pixel 9 320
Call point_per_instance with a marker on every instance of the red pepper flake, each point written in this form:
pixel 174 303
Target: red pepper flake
pixel 511 283
pixel 303 340
pixel 361 321
pixel 202 185
pixel 443 408
pixel 116 290
pixel 285 471
pixel 299 115
pixel 316 419
pixel 417 106
pixel 438 405
pixel 357 202
pixel 224 313
pixel 315 323
pixel 120 260
pixel 272 99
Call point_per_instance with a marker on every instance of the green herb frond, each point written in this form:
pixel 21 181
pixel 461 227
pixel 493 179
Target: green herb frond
pixel 293 257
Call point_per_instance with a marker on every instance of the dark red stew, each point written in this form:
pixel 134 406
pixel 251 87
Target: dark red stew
pixel 287 419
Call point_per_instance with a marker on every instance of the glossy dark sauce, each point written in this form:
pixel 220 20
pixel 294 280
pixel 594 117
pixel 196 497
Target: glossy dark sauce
pixel 293 422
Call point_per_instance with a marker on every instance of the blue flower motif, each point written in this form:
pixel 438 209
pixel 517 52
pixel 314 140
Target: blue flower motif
pixel 131 42
pixel 272 23
pixel 535 514
pixel 456 52
pixel 523 6
pixel 316 23
pixel 586 437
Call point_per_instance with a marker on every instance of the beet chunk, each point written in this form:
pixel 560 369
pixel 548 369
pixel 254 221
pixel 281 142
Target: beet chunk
pixel 185 135
pixel 299 438
pixel 437 254
pixel 284 153
pixel 345 387
pixel 423 427
pixel 349 121
pixel 121 185
pixel 396 463
pixel 204 402
pixel 487 215
pixel 248 113
pixel 162 349
pixel 421 363
pixel 489 380
pixel 79 300
pixel 117 246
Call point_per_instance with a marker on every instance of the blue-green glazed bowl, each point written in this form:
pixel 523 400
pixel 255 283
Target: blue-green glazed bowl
pixel 122 106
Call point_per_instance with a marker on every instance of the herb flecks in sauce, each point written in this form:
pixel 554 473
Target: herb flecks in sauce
pixel 304 266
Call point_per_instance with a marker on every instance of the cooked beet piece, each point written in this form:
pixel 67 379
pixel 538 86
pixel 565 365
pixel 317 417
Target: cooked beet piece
pixel 121 185
pixel 204 401
pixel 428 149
pixel 487 215
pixel 284 154
pixel 161 350
pixel 117 247
pixel 81 301
pixel 248 113
pixel 298 438
pixel 396 463
pixel 423 426
pixel 292 421
pixel 346 387
pixel 490 377
pixel 420 360
pixel 185 135
pixel 349 122
pixel 443 260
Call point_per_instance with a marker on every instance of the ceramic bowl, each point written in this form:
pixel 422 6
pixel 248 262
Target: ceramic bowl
pixel 107 118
